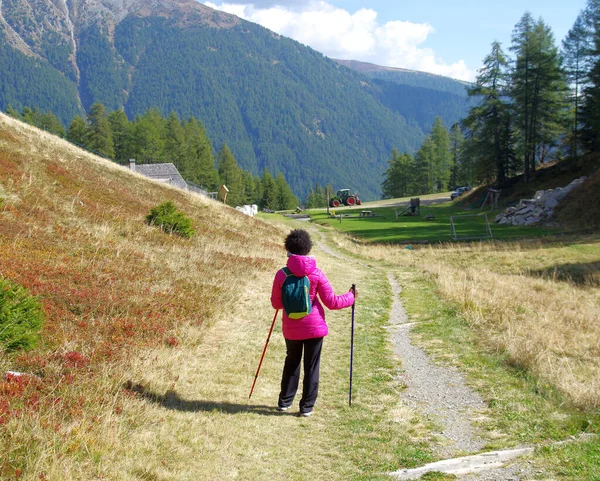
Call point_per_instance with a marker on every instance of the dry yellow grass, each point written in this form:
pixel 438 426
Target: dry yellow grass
pixel 511 294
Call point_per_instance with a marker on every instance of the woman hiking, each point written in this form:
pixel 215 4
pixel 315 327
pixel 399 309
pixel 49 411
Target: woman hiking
pixel 305 333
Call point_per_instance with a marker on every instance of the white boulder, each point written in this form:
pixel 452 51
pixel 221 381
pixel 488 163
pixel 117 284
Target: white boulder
pixel 250 210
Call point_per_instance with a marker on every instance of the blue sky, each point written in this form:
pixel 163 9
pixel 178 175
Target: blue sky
pixel 431 36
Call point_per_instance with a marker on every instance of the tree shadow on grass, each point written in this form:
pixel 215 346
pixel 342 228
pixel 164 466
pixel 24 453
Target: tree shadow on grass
pixel 580 274
pixel 172 401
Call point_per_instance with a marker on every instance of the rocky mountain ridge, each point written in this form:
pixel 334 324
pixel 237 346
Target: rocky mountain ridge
pixel 35 26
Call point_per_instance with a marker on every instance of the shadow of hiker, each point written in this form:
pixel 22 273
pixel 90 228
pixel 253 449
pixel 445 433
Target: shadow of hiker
pixel 171 400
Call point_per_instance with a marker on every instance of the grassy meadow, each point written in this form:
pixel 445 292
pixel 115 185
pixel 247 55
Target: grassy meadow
pixel 536 299
pixel 385 228
pixel 72 232
pixel 151 341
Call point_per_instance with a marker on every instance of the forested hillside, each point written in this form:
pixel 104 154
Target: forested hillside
pixel 420 97
pixel 25 80
pixel 407 77
pixel 277 104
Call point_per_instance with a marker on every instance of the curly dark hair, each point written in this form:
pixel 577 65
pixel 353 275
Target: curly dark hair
pixel 298 242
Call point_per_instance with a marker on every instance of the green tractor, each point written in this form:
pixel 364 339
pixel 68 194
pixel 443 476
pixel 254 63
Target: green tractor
pixel 343 197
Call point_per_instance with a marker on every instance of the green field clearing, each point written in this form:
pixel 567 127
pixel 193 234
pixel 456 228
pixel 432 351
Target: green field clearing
pixel 385 228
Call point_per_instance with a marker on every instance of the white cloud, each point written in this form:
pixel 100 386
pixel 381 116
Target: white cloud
pixel 359 36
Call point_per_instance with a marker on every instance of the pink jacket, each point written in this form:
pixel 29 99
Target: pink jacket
pixel 314 324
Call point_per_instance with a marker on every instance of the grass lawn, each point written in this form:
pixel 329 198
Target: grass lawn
pixel 385 228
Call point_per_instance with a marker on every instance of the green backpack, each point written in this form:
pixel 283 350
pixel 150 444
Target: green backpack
pixel 295 295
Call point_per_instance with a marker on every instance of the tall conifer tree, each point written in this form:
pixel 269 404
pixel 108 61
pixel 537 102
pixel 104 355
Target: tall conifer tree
pixel 199 154
pixel 149 134
pixel 268 190
pixel 122 139
pixel 457 140
pixel 590 112
pixel 441 155
pixel 576 47
pixel 78 131
pixel 486 122
pixel 231 175
pixel 538 90
pixel 284 197
pixel 100 137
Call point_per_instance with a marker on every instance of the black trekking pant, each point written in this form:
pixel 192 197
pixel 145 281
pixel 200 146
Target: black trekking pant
pixel 291 373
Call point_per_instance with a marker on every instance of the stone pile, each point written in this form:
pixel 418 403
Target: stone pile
pixel 538 210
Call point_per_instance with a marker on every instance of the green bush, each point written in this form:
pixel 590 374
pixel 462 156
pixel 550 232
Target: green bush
pixel 21 317
pixel 170 220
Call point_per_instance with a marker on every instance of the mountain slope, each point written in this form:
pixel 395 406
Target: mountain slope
pixel 276 103
pixel 417 96
pixel 413 78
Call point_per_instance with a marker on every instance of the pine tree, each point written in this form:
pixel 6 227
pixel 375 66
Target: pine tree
pixel 423 182
pixel 251 188
pixel 12 112
pixel 50 123
pixel 100 137
pixel 398 178
pixel 441 155
pixel 457 140
pixel 320 195
pixel 310 202
pixel 28 115
pixel 590 111
pixel 317 197
pixel 486 122
pixel 284 198
pixel 149 134
pixel 78 131
pixel 122 136
pixel 198 155
pixel 231 175
pixel 538 90
pixel 391 177
pixel 268 190
pixel 175 144
pixel 576 47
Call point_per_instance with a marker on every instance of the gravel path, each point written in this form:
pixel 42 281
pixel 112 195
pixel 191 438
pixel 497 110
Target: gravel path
pixel 439 392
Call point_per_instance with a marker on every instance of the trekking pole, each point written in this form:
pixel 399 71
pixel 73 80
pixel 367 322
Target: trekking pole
pixel 351 347
pixel 263 353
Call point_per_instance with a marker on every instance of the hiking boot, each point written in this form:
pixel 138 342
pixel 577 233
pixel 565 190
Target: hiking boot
pixel 307 413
